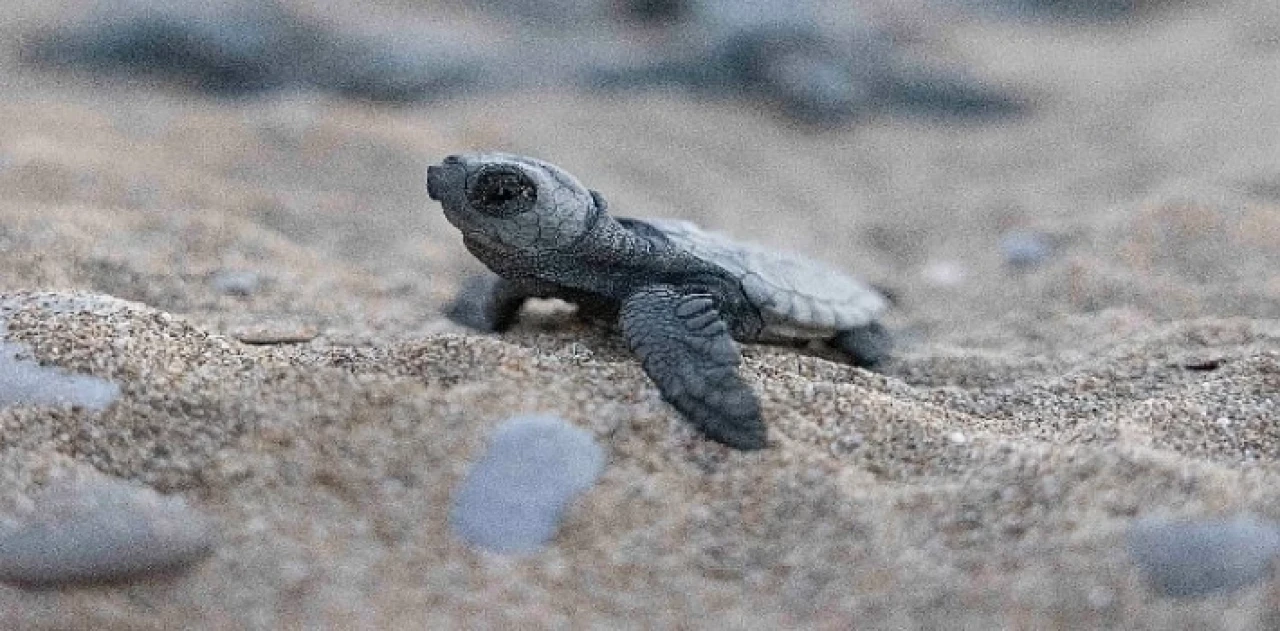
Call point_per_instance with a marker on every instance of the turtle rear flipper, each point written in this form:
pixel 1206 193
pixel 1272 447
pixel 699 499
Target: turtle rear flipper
pixel 685 347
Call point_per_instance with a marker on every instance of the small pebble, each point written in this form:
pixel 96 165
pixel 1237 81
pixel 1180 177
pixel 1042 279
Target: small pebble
pixel 265 334
pixel 236 283
pixel 1204 364
pixel 102 531
pixel 514 497
pixel 1025 250
pixel 26 382
pixel 1198 557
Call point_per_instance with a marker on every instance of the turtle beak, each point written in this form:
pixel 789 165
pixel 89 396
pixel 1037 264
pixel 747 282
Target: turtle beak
pixel 438 175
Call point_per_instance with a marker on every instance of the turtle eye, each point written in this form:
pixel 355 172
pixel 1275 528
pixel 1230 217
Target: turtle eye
pixel 502 192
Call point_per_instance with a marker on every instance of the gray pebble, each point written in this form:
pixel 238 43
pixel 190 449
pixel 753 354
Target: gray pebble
pixel 236 283
pixel 102 531
pixel 26 382
pixel 1023 249
pixel 1198 557
pixel 514 497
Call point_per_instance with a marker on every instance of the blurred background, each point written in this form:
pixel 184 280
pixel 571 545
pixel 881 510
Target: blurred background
pixel 1022 174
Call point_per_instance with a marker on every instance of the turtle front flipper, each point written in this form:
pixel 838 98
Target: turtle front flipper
pixel 487 302
pixel 866 345
pixel 685 347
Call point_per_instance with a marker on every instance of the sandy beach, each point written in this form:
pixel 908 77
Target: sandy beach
pixel 263 279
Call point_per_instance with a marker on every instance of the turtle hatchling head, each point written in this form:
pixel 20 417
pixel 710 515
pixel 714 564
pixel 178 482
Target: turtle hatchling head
pixel 511 203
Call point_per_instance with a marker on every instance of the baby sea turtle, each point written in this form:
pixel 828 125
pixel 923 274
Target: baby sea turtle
pixel 822 63
pixel 239 47
pixel 681 295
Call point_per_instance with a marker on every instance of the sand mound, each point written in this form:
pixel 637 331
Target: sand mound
pixel 987 478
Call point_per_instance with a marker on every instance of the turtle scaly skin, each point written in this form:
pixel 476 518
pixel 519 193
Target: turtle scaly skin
pixel 681 296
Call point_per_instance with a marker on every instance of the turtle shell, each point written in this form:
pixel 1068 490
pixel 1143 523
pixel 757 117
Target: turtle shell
pixel 799 298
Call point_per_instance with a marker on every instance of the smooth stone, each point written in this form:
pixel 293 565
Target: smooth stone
pixel 1199 557
pixel 102 531
pixel 1025 249
pixel 513 499
pixel 236 283
pixel 26 382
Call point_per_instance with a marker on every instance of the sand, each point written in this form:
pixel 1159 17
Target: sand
pixel 985 478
